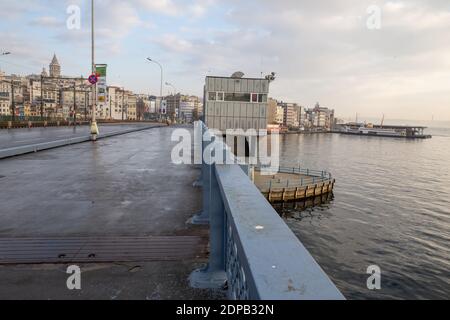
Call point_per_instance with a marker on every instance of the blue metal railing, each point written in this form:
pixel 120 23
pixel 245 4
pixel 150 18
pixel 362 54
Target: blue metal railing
pixel 252 251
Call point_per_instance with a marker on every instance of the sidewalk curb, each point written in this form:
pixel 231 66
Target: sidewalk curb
pixel 33 148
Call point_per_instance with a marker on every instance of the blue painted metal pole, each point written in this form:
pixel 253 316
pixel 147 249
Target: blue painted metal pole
pixel 202 218
pixel 213 276
pixel 198 151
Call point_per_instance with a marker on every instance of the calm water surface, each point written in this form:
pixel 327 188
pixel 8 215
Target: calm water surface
pixel 391 208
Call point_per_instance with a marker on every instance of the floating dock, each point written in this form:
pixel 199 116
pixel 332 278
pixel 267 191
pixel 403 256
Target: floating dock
pixel 293 184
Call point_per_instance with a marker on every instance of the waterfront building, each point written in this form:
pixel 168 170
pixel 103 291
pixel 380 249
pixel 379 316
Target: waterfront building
pixel 115 102
pixel 143 106
pixel 279 119
pixel 131 106
pixel 291 115
pixel 236 102
pixel 53 95
pixel 272 111
pixel 155 104
pixel 173 105
pixel 79 106
pixel 189 106
pixel 321 118
pixel 121 104
pixel 182 107
pixel 5 98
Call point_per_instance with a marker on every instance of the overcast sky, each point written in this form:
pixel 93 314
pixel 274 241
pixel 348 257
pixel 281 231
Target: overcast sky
pixel 321 50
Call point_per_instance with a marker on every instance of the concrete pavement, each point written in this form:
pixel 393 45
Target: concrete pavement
pixel 120 186
pixel 21 137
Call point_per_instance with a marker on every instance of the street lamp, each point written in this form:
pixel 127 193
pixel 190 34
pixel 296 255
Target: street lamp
pixel 94 127
pixel 5 54
pixel 162 74
pixel 171 85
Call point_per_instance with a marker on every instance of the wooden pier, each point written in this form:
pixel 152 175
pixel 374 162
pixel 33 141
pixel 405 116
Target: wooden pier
pixel 293 184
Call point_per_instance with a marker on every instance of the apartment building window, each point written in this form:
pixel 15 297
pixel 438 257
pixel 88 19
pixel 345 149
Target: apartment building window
pixel 254 97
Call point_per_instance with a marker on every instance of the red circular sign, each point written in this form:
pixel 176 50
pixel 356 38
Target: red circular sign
pixel 93 79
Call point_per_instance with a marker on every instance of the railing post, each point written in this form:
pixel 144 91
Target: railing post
pixel 202 217
pixel 213 276
pixel 198 148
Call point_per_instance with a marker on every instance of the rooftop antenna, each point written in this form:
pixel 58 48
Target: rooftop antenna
pixel 237 75
pixel 271 77
pixel 261 67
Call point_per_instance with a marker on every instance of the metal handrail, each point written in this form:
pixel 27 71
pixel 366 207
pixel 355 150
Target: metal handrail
pixel 304 171
pixel 252 250
pixel 313 177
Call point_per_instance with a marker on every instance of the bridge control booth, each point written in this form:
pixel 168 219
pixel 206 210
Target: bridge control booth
pixel 236 102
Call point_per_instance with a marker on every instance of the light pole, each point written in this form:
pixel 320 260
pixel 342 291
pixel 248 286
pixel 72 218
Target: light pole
pixel 162 75
pixel 171 85
pixel 4 54
pixel 94 127
pixel 161 87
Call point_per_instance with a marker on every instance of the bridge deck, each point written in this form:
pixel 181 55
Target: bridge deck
pixel 119 187
pixel 20 137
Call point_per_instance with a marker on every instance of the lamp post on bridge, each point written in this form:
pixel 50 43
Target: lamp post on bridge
pixel 5 54
pixel 162 77
pixel 94 127
pixel 173 87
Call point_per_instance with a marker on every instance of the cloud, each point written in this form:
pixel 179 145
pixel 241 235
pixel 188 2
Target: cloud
pixel 47 21
pixel 321 50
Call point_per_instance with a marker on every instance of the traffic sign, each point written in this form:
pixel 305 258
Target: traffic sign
pixel 93 79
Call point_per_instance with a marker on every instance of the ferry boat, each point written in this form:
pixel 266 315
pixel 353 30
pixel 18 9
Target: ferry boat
pixel 410 132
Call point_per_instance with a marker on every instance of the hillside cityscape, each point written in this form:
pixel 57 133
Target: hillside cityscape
pixel 52 95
